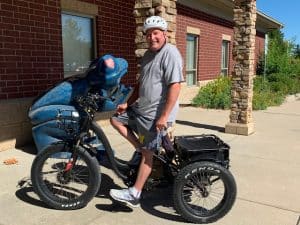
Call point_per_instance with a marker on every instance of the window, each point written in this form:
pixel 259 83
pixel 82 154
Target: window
pixel 78 43
pixel 225 57
pixel 191 59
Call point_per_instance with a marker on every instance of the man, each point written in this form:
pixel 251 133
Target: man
pixel 152 106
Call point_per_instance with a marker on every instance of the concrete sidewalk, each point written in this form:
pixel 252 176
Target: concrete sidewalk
pixel 266 166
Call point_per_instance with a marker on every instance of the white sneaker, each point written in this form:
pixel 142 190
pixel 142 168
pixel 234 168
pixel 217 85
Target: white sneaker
pixel 125 196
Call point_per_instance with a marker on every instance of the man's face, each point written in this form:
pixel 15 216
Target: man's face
pixel 156 38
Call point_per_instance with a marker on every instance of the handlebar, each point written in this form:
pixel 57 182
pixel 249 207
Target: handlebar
pixel 89 102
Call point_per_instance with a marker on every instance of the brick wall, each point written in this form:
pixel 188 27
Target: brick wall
pixel 116 33
pixel 210 40
pixel 31 51
pixel 31 43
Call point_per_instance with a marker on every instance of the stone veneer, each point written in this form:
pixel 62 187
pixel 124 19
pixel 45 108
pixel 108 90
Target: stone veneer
pixel 241 121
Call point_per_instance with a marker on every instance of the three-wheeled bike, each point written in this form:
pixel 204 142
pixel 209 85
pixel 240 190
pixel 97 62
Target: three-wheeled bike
pixel 66 175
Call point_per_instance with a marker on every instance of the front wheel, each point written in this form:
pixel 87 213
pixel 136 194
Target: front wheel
pixel 204 192
pixel 64 180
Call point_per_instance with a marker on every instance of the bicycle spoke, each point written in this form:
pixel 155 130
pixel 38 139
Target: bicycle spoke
pixel 203 192
pixel 59 182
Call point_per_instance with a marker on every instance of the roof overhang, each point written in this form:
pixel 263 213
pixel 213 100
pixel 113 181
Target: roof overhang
pixel 224 10
pixel 266 23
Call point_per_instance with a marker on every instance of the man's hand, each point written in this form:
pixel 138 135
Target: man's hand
pixel 121 108
pixel 161 123
pixel 172 96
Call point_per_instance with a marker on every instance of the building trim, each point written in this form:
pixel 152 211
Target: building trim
pixel 193 30
pixel 79 7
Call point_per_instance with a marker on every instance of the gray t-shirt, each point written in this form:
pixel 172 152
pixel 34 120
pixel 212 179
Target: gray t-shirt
pixel 158 71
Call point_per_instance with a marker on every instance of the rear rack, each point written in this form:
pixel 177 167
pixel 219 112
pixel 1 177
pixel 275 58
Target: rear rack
pixel 202 147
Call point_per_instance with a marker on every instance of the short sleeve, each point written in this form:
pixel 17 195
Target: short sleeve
pixel 172 66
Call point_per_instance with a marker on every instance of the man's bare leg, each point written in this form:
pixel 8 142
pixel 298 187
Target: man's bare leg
pixel 144 170
pixel 125 132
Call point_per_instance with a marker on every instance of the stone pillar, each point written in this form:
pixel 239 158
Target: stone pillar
pixel 146 8
pixel 241 121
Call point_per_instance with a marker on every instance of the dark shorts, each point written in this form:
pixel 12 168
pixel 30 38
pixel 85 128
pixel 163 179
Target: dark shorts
pixel 144 127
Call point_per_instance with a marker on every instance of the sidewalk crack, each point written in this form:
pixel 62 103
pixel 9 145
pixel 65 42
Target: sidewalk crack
pixel 273 206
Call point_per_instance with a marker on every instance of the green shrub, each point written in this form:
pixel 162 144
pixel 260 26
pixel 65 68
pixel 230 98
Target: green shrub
pixel 286 84
pixel 215 94
pixel 264 94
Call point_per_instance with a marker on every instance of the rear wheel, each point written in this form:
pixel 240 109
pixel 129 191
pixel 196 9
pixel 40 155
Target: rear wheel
pixel 64 180
pixel 204 192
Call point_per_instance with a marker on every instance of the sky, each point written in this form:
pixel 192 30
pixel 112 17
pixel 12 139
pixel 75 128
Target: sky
pixel 286 12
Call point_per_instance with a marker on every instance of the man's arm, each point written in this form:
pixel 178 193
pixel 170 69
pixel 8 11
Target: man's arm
pixel 133 97
pixel 172 96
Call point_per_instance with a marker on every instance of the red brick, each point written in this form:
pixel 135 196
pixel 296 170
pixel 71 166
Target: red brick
pixel 26 35
pixel 2 84
pixel 14 83
pixel 29 82
pixel 21 3
pixel 52 9
pixel 30 94
pixel 22 28
pixel 24 16
pixel 36 6
pixel 8 77
pixel 15 95
pixel 26 22
pixel 53 2
pixel 40 13
pixel 38 53
pixel 27 88
pixel 6 26
pixel 11 58
pixel 25 10
pixel 7 1
pixel 11 33
pixel 8 14
pixel 27 57
pixel 8 51
pixel 8 7
pixel 9 89
pixel 27 46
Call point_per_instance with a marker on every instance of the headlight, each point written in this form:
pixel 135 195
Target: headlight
pixel 75 114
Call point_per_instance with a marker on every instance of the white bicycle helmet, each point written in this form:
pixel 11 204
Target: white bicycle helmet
pixel 155 22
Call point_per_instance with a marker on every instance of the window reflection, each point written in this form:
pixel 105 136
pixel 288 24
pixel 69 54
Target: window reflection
pixel 191 59
pixel 225 57
pixel 78 49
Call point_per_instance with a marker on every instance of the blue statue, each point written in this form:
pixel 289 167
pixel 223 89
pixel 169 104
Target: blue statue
pixel 56 107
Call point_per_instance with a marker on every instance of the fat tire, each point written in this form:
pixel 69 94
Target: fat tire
pixel 49 198
pixel 220 210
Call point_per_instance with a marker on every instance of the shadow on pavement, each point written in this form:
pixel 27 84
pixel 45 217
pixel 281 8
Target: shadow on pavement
pixel 114 207
pixel 30 149
pixel 199 125
pixel 24 195
pixel 107 183
pixel 159 203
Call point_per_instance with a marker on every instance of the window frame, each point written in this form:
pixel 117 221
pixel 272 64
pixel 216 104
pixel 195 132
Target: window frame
pixel 93 36
pixel 225 70
pixel 196 53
